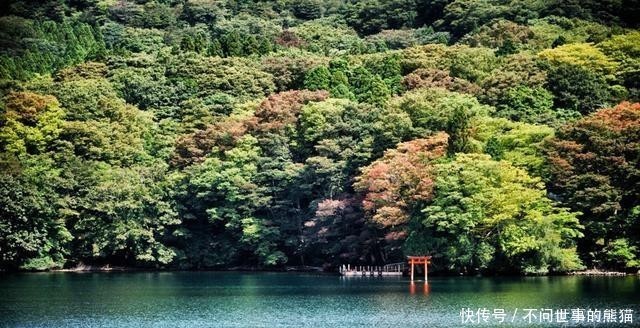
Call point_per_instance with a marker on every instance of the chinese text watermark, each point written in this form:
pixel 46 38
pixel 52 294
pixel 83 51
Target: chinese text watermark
pixel 575 316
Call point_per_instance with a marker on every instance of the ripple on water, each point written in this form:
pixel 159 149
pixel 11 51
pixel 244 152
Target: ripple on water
pixel 226 299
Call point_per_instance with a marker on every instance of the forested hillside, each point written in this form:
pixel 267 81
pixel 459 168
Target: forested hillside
pixel 497 136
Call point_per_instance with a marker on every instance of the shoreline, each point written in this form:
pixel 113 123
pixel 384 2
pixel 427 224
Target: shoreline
pixel 291 269
pixel 109 268
pixel 595 272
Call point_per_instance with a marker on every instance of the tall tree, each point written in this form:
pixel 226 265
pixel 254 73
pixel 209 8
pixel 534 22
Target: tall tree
pixel 487 215
pixel 594 169
pixel 396 186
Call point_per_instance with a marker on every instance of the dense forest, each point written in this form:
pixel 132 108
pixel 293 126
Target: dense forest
pixel 498 136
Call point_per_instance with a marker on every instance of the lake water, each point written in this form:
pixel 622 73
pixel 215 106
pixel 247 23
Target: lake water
pixel 231 299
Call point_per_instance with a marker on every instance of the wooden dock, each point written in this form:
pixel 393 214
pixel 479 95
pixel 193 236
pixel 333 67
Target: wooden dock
pixel 389 270
pixel 393 269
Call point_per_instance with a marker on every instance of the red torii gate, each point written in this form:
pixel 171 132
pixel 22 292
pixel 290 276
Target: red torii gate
pixel 420 260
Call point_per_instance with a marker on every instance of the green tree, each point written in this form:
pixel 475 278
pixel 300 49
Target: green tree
pixel 318 78
pixel 123 217
pixel 340 86
pixel 368 87
pixel 372 16
pixel 395 187
pixel 487 215
pixel 230 201
pixel 433 110
pixel 30 123
pixel 578 89
pixel 33 235
pixel 525 104
pixel 232 44
pixel 624 49
pixel 307 9
pixel 389 69
pixel 520 144
pixel 580 54
pixel 215 49
pixel 593 168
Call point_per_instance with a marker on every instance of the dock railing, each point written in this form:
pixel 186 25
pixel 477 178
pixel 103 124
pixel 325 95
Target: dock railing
pixel 391 269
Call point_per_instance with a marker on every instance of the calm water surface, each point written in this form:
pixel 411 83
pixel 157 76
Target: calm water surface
pixel 216 299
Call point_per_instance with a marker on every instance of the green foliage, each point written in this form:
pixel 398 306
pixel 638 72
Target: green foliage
pixel 289 70
pixel 148 88
pixel 196 39
pixel 369 87
pixel 352 132
pixel 30 47
pixel 433 110
pixel 328 36
pixel 123 214
pixel 580 54
pixel 486 212
pixel 504 35
pixel 530 105
pixel 99 125
pixel 555 31
pixel 472 64
pixel 593 168
pixel 372 16
pixel 463 16
pixel 388 68
pixel 620 254
pixel 307 9
pixel 229 200
pixel 29 123
pixel 149 15
pixel 124 40
pixel 373 82
pixel 317 78
pixel 202 11
pixel 578 89
pixel 179 134
pixel 518 70
pixel 518 143
pixel 237 77
pixel 405 38
pixel 625 51
pixel 33 236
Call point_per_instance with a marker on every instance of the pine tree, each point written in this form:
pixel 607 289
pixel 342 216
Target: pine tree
pixel 368 87
pixel 319 78
pixel 250 45
pixel 215 49
pixel 232 44
pixel 340 86
pixel 187 43
pixel 265 45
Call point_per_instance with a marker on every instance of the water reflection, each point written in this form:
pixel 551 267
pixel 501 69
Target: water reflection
pixel 206 299
pixel 424 288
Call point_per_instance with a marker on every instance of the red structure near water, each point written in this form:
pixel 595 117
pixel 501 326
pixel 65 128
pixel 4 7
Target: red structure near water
pixel 416 260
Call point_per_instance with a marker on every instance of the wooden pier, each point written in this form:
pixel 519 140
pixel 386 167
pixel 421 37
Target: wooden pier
pixel 392 269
